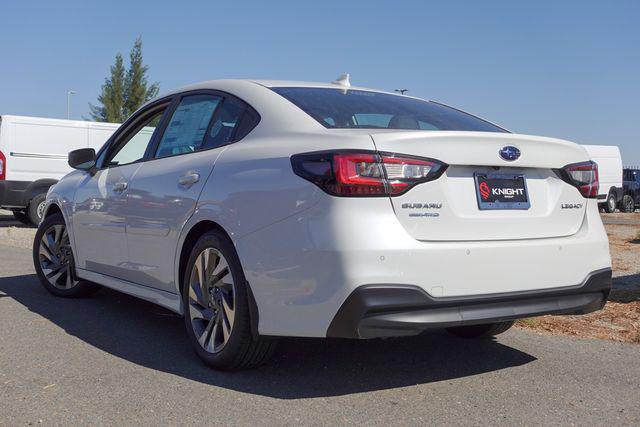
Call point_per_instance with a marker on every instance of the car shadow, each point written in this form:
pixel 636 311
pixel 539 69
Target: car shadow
pixel 8 220
pixel 150 336
pixel 625 289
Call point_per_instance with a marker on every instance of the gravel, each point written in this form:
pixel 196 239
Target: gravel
pixel 14 233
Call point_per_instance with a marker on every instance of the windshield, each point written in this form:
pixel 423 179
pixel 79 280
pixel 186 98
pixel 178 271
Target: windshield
pixel 343 108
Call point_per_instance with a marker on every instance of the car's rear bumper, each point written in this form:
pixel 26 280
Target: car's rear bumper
pixel 302 269
pixel 373 311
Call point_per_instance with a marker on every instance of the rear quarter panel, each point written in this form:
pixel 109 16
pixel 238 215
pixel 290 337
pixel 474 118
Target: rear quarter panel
pixel 253 185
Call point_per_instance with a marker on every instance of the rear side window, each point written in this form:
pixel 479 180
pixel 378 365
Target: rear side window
pixel 248 121
pixel 186 130
pixel 340 108
pixel 232 122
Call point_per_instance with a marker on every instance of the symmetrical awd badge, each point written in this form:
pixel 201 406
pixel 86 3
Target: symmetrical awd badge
pixel 509 153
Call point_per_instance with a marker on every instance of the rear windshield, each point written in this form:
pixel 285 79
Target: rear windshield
pixel 340 108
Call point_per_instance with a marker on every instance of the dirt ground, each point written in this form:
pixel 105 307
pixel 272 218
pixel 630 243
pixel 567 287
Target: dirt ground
pixel 620 318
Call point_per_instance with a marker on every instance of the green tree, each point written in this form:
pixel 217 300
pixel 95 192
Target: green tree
pixel 110 106
pixel 137 89
pixel 125 90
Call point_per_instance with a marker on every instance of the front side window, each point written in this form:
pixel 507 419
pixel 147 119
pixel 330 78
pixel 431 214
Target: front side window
pixel 340 108
pixel 186 130
pixel 133 147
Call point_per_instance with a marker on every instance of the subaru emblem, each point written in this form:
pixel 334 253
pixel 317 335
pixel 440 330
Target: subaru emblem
pixel 509 153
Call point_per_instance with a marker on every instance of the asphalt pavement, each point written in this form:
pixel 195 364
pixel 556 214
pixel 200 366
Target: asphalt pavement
pixel 112 359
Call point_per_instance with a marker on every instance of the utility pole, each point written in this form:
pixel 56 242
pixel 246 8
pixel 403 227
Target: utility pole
pixel 69 93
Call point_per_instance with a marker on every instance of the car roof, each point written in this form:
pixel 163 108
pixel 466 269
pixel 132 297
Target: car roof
pixel 276 112
pixel 295 83
pixel 247 83
pixel 272 107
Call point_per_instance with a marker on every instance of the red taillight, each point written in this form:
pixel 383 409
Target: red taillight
pixel 365 173
pixel 583 176
pixel 3 166
pixel 357 174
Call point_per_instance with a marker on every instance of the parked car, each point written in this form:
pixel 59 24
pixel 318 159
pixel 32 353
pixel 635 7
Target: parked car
pixel 33 157
pixel 609 163
pixel 631 183
pixel 264 209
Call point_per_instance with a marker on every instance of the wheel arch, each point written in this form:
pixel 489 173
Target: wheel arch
pixel 52 209
pixel 617 191
pixel 184 250
pixel 190 239
pixel 37 187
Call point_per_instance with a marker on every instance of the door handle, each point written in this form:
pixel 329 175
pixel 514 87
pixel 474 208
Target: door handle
pixel 189 178
pixel 119 187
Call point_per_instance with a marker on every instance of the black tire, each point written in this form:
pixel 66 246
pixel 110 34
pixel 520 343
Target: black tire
pixel 628 204
pixel 610 206
pixel 78 288
pixel 35 209
pixel 22 217
pixel 480 331
pixel 242 350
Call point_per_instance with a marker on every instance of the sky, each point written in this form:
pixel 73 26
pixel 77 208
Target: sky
pixel 565 69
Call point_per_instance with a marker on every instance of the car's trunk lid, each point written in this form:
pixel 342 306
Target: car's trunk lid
pixel 448 208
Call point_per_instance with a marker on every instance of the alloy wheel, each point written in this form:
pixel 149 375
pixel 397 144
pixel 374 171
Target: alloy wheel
pixel 40 209
pixel 629 205
pixel 56 258
pixel 211 300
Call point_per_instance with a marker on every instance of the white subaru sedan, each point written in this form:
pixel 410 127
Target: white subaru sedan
pixel 265 209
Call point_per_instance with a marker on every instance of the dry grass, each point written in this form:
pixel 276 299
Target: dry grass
pixel 620 318
pixel 616 322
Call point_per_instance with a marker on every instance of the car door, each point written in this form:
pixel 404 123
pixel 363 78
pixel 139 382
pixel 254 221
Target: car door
pixel 99 214
pixel 165 190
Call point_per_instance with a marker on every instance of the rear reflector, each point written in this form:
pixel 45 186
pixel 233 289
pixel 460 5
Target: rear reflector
pixel 365 173
pixel 3 166
pixel 583 176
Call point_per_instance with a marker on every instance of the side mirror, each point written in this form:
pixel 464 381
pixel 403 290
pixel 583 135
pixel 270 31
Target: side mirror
pixel 83 159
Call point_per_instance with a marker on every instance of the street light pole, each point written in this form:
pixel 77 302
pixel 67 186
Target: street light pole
pixel 69 93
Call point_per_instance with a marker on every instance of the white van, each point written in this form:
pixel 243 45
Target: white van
pixel 609 163
pixel 33 156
